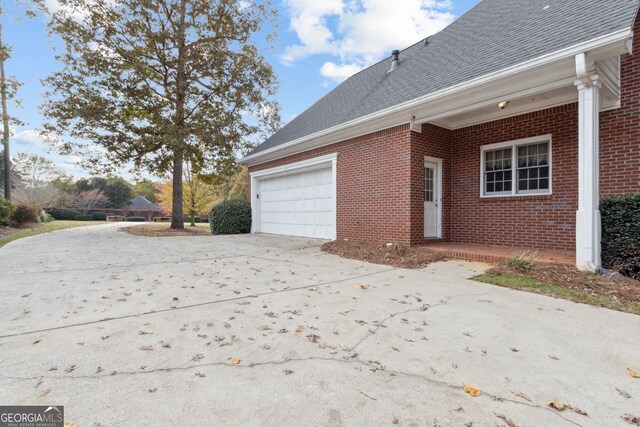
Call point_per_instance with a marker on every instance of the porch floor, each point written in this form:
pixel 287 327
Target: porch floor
pixel 495 254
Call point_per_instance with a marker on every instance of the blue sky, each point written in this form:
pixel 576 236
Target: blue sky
pixel 319 44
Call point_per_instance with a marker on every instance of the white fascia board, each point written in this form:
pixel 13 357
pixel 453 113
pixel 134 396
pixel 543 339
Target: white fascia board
pixel 304 165
pixel 615 43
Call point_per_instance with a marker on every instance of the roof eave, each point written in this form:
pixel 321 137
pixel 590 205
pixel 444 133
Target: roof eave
pixel 611 44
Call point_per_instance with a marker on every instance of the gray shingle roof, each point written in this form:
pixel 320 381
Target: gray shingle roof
pixel 140 203
pixel 494 35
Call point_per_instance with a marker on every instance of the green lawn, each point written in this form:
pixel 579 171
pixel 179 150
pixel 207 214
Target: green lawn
pixel 46 228
pixel 556 290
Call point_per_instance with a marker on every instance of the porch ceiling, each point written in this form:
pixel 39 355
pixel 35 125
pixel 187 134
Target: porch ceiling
pixel 532 90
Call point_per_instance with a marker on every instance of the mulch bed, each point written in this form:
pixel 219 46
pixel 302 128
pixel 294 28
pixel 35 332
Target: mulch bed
pixel 164 230
pixel 616 286
pixel 8 231
pixel 395 255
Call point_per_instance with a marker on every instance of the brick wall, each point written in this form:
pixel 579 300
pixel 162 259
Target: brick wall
pixel 620 131
pixel 533 221
pixel 373 188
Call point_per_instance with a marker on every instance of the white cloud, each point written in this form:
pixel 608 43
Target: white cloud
pixel 29 137
pixel 361 32
pixel 337 72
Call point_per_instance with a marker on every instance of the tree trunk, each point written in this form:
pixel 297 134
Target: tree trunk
pixel 5 117
pixel 177 220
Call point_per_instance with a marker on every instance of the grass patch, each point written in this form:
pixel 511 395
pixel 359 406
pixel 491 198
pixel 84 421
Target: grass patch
pixel 42 228
pixel 535 285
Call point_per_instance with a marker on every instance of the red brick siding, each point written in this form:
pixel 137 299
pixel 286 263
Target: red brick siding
pixel 620 131
pixel 435 142
pixel 532 221
pixel 373 185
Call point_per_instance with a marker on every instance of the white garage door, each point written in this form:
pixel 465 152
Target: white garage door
pixel 300 204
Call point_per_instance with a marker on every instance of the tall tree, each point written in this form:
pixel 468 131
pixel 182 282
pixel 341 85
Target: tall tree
pixel 8 90
pixel 157 83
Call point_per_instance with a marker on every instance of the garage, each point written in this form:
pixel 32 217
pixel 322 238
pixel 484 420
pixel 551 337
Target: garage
pixel 296 199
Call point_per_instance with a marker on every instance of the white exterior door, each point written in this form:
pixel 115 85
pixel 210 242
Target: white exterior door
pixel 432 191
pixel 299 204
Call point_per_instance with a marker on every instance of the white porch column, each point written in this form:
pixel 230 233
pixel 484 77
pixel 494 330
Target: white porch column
pixel 588 214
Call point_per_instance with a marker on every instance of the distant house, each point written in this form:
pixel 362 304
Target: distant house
pixel 505 128
pixel 140 206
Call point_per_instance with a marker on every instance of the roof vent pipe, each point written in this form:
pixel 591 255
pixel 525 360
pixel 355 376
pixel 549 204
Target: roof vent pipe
pixel 395 63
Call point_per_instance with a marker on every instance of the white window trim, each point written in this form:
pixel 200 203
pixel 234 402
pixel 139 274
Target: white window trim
pixel 514 161
pixel 314 163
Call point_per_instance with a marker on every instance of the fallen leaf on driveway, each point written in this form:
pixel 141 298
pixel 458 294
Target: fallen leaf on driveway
pixel 394 420
pixel 201 374
pixel 509 422
pixel 361 287
pixel 235 360
pixel 299 329
pixel 632 373
pixel 556 405
pixel 471 390
pixel 631 419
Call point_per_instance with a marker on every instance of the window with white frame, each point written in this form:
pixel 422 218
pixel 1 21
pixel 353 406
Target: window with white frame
pixel 517 168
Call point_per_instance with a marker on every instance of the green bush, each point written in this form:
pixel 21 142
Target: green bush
pixel 621 234
pixel 63 214
pixel 47 218
pixel 135 219
pixel 230 217
pixel 26 213
pixel 196 219
pixel 82 218
pixel 99 216
pixel 6 211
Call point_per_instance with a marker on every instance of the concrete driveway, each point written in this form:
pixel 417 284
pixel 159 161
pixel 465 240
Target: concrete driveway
pixel 126 330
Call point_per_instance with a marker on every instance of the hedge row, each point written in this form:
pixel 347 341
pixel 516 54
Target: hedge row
pixel 135 219
pixel 621 234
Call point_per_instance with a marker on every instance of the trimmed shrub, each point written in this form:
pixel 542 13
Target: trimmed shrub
pixel 204 219
pixel 196 219
pixel 6 211
pixel 99 216
pixel 621 234
pixel 82 218
pixel 63 214
pixel 26 213
pixel 47 218
pixel 135 219
pixel 230 217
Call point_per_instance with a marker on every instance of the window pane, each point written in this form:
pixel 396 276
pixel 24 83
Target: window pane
pixel 507 186
pixel 490 188
pixel 544 184
pixel 533 167
pixel 498 186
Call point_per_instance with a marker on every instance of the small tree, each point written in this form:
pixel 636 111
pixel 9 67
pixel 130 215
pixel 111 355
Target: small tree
pixel 86 201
